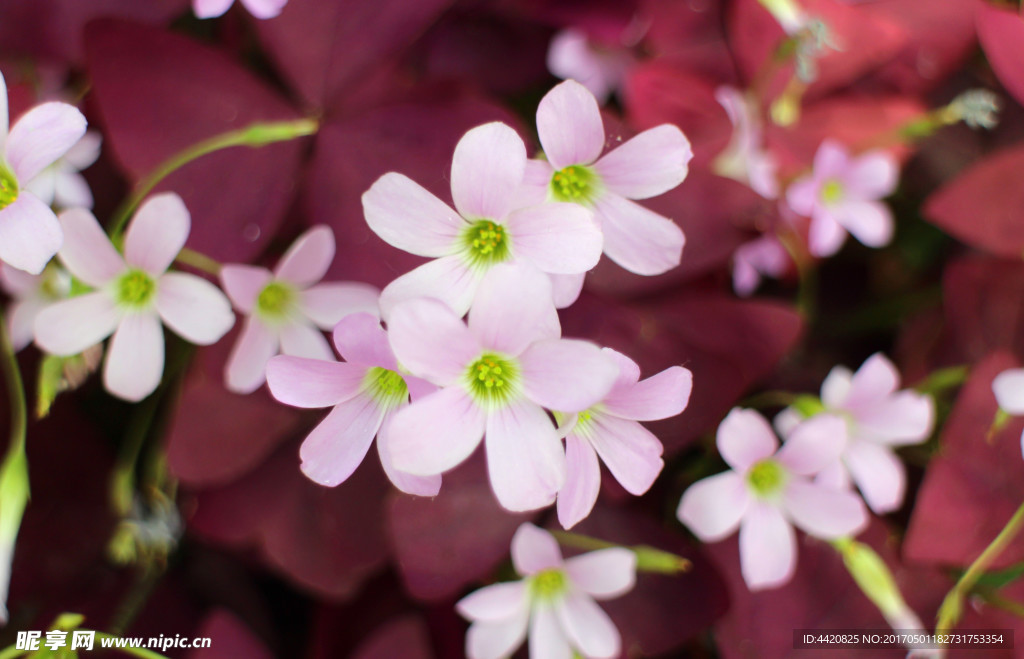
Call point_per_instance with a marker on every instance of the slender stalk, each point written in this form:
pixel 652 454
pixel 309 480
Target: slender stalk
pixel 648 559
pixel 1008 605
pixel 11 652
pixel 199 261
pixel 942 379
pixel 807 293
pixel 15 392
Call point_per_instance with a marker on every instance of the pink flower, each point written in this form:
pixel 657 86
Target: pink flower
pixel 554 601
pixel 1008 388
pixel 764 256
pixel 288 308
pixel 366 390
pixel 32 294
pixel 745 159
pixel 29 231
pixel 655 161
pixel 487 170
pixel 841 194
pixel 60 184
pixel 133 294
pixel 571 55
pixel 496 376
pixel 609 430
pixel 768 490
pixel 878 418
pixel 258 8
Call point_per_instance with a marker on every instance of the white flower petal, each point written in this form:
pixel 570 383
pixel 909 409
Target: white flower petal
pixel 879 475
pixel 68 327
pixel 533 550
pixel 605 573
pixel 435 433
pixel 307 260
pixel 407 216
pixel 337 446
pixel 587 626
pixel 246 367
pixel 42 135
pixel 513 308
pixel 1008 388
pixel 194 308
pixel 326 304
pixel 631 452
pixel 487 170
pixel 650 164
pixel 570 126
pixel 495 603
pixel 135 357
pixel 547 638
pixel 157 233
pixel 713 507
pixel 447 279
pixel 30 234
pixel 421 486
pixel 744 437
pixel 582 482
pixel 637 238
pixel 525 459
pixel 301 340
pixel 767 548
pixel 824 512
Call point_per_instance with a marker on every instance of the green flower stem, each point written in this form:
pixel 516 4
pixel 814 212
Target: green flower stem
pixel 807 293
pixel 198 261
pixel 648 559
pixel 942 379
pixel 11 652
pixel 14 483
pixel 952 605
pixel 256 135
pixel 774 398
pixel 1008 605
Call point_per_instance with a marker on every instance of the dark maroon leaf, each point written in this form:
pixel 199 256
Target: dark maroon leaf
pixel 983 307
pixel 229 638
pixel 1001 32
pixel 405 637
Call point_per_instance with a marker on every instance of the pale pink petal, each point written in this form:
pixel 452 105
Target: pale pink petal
pixel 876 379
pixel 194 308
pixel 566 289
pixel 18 283
pixel 447 279
pixel 42 135
pixel 629 372
pixel 301 340
pixel 713 507
pixel 826 235
pixel 873 175
pixel 588 627
pixel 582 482
pixel 21 321
pixel 630 451
pixel 525 459
pixel 802 195
pixel 325 304
pixel 135 357
pixel 836 387
pixel 814 444
pixel 869 221
pixel 495 603
pixel 834 476
pixel 430 341
pixel 547 638
pixel 157 233
pixel 745 437
pixel 404 214
pixel 570 126
pixel 658 397
pixel 513 308
pixel 745 277
pixel 536 186
pixel 906 417
pixel 832 160
pixel 210 8
pixel 570 56
pixel 566 375
pixel 605 573
pixel 72 191
pixel 767 548
pixel 85 152
pixel 243 284
pixel 307 260
pixel 879 475
pixel 306 382
pixel 29 234
pixel 361 340
pixel 636 238
pixel 1008 388
pixel 70 326
pixel 650 164
pixel 4 113
pixel 534 550
pixel 264 8
pixel 436 432
pixel 421 486
pixel 333 450
pixel 499 639
pixel 822 511
pixel 43 186
pixel 87 252
pixel 560 238
pixel 246 367
pixel 487 170
pixel 786 421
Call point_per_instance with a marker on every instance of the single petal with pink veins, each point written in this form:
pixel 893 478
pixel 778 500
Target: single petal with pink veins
pixel 879 475
pixel 194 308
pixel 41 136
pixel 487 170
pixel 658 397
pixel 495 603
pixel 29 234
pixel 814 444
pixel 824 512
pixel 447 279
pixel 436 432
pixel 307 260
pixel 767 548
pixel 588 627
pixel 582 482
pixel 744 437
pixel 157 233
pixel 135 357
pixel 245 370
pixel 652 163
pixel 533 550
pixel 361 340
pixel 68 327
pixel 630 451
pixel 243 284
pixel 306 382
pixel 713 507
pixel 604 573
pixel 525 459
pixel 1008 388
pixel 325 304
pixel 637 238
pixel 407 216
pixel 333 450
pixel 559 238
pixel 431 341
pixel 513 309
pixel 87 252
pixel 569 125
pixel 566 374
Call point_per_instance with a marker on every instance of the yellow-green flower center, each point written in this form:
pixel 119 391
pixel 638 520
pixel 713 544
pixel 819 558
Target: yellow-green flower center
pixel 832 192
pixel 766 477
pixel 548 584
pixel 492 378
pixel 385 386
pixel 135 289
pixel 8 187
pixel 486 243
pixel 275 300
pixel 574 183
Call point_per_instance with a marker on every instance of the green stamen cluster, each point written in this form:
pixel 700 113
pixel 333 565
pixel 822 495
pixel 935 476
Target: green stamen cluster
pixel 548 584
pixel 385 386
pixel 8 187
pixel 832 191
pixel 575 183
pixel 766 477
pixel 486 243
pixel 135 289
pixel 491 378
pixel 275 300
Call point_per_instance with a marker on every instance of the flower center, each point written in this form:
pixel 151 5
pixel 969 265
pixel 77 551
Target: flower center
pixel 832 191
pixel 275 300
pixel 492 378
pixel 766 477
pixel 575 183
pixel 8 187
pixel 385 386
pixel 486 243
pixel 135 289
pixel 549 583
